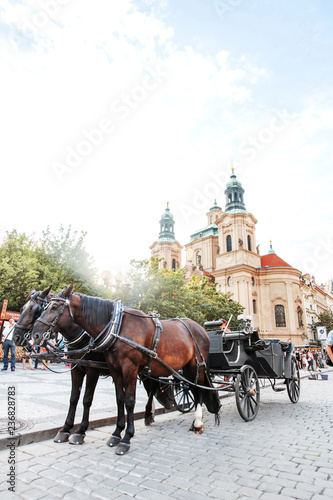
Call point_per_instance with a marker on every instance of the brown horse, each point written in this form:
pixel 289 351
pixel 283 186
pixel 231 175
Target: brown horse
pixel 32 309
pixel 183 345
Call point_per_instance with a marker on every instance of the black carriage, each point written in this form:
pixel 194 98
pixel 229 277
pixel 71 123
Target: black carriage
pixel 240 362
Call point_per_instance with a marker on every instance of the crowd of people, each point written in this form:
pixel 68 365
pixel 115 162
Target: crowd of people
pixel 309 359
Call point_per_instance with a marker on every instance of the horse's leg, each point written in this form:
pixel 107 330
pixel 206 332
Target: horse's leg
pixel 92 375
pixel 77 376
pixel 114 440
pixel 150 407
pixel 130 379
pixel 197 424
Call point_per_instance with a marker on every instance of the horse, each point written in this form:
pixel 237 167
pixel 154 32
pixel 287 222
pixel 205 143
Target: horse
pixel 77 338
pixel 131 347
pixel 32 309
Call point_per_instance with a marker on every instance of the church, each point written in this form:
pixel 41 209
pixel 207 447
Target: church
pixel 273 292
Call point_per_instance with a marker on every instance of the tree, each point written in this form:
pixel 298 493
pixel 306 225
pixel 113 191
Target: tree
pixel 56 260
pixel 325 319
pixel 167 292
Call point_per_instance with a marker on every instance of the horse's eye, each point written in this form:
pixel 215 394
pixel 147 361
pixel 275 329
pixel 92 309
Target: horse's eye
pixel 54 307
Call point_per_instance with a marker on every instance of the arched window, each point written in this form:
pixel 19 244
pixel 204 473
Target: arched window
pixel 280 317
pixel 230 198
pixel 254 304
pixel 173 264
pixel 249 242
pixel 229 243
pixel 229 281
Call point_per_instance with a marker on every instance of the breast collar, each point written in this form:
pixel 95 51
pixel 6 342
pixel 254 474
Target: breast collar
pixel 110 332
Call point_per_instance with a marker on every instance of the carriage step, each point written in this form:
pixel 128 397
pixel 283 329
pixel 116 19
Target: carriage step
pixel 279 389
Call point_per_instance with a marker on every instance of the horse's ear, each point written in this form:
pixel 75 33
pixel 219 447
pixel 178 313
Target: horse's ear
pixel 30 293
pixel 68 291
pixel 45 292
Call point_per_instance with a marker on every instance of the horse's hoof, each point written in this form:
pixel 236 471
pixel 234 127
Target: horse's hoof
pixel 61 437
pixel 122 448
pixel 197 430
pixel 113 441
pixel 149 420
pixel 76 439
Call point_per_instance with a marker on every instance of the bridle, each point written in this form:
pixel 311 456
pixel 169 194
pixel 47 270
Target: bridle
pixel 39 307
pixel 65 303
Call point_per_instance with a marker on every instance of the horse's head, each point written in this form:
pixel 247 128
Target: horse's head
pixel 56 317
pixel 32 309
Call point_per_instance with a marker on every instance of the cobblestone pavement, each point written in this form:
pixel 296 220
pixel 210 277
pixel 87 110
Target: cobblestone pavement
pixel 285 453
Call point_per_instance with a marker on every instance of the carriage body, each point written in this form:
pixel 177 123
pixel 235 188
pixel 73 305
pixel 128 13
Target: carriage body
pixel 238 360
pixel 228 352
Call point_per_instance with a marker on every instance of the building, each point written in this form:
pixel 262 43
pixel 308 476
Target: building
pixel 283 303
pixel 167 247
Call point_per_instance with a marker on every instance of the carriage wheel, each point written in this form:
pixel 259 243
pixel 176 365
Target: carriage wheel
pixel 247 393
pixel 294 383
pixel 184 399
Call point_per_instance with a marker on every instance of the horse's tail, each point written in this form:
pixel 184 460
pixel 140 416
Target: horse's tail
pixel 212 399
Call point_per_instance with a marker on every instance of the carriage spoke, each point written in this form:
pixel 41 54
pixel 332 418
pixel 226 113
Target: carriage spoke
pixel 247 393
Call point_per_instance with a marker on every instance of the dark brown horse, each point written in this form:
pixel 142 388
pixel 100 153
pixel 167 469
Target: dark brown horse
pixel 32 309
pixel 183 345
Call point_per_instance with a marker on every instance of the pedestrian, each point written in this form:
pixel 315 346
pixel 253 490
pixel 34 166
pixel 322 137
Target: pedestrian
pixel 329 344
pixel 30 364
pixel 8 344
pixel 310 360
pixel 304 361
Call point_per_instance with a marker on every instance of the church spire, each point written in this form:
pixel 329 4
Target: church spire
pixel 234 194
pixel 167 226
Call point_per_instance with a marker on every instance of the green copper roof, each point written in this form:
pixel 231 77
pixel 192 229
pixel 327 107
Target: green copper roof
pixel 215 207
pixel 167 224
pixel 234 196
pixel 211 230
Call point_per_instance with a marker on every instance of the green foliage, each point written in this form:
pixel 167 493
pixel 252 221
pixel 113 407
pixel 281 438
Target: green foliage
pixel 166 292
pixel 56 260
pixel 325 319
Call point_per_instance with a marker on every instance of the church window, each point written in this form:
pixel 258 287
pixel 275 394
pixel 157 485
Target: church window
pixel 253 281
pixel 280 317
pixel 254 304
pixel 230 198
pixel 173 264
pixel 249 242
pixel 229 243
pixel 229 281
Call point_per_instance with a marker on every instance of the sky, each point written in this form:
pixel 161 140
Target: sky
pixel 111 109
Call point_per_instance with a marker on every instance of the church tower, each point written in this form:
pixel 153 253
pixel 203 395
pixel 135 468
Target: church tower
pixel 236 228
pixel 167 247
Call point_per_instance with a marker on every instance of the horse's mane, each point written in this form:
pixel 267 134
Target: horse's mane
pixel 95 310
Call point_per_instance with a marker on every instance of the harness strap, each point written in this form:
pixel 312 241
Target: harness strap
pixel 110 333
pixel 154 344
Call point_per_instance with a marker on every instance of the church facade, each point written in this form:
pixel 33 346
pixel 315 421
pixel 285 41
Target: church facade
pixel 273 292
